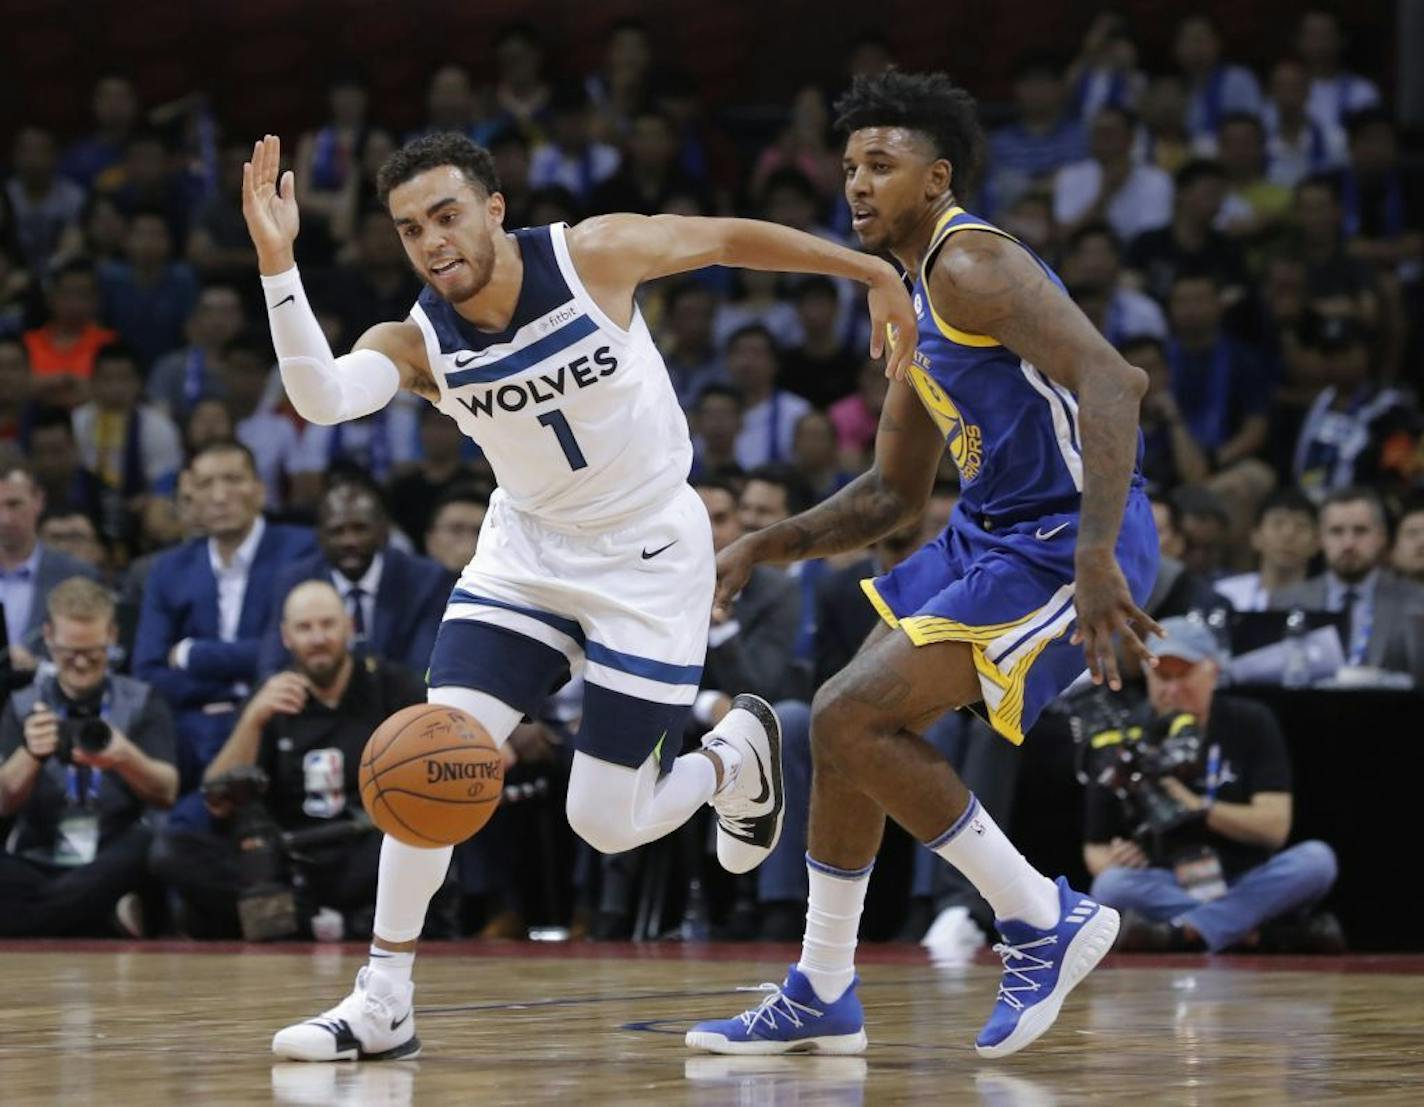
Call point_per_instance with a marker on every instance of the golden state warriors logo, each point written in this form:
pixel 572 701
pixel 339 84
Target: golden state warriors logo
pixel 964 440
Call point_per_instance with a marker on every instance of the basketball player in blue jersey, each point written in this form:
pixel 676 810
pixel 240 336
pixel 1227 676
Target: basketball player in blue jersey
pixel 1047 557
pixel 595 556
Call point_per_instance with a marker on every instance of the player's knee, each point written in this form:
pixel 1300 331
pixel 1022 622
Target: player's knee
pixel 837 724
pixel 602 824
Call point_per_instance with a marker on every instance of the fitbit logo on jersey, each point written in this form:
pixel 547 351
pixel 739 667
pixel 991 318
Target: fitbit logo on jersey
pixel 437 772
pixel 579 373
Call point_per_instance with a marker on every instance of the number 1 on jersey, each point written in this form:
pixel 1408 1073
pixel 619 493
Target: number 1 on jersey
pixel 564 433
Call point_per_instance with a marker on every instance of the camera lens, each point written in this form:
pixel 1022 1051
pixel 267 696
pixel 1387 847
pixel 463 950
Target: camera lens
pixel 93 735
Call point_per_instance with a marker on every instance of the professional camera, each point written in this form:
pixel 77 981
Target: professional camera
pixel 1130 753
pixel 82 729
pixel 270 860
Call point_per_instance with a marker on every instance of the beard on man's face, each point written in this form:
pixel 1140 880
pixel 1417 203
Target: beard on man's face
pixel 322 666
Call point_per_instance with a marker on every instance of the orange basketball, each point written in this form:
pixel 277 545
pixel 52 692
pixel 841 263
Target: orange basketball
pixel 431 776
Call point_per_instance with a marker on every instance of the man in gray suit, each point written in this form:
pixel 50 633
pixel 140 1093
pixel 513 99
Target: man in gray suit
pixel 1386 610
pixel 28 570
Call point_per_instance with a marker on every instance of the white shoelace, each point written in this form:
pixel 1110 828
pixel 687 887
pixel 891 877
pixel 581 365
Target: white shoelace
pixel 369 1004
pixel 1034 964
pixel 777 1003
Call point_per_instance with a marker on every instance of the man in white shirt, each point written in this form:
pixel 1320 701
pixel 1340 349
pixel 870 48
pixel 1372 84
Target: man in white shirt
pixel 1335 94
pixel 1298 145
pixel 769 413
pixel 1285 540
pixel 1110 186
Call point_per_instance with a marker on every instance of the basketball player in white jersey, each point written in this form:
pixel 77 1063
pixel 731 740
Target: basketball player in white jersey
pixel 595 555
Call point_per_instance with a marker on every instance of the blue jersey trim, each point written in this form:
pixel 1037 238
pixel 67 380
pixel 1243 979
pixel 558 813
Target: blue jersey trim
pixel 558 622
pixel 645 667
pixel 526 357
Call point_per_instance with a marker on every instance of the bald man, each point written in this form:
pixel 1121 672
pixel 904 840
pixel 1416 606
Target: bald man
pixel 306 728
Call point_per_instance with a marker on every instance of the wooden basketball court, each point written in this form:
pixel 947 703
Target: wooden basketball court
pixel 160 1024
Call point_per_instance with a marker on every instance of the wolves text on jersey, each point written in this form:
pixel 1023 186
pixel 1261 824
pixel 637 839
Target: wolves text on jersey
pixel 579 373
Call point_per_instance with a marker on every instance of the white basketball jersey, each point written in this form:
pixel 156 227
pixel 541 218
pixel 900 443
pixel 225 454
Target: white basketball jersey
pixel 576 414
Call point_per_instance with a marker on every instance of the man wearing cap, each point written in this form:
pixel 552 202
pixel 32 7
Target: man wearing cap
pixel 1356 431
pixel 1216 880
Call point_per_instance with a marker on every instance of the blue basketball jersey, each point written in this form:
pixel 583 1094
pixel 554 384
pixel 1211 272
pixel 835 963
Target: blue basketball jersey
pixel 1013 432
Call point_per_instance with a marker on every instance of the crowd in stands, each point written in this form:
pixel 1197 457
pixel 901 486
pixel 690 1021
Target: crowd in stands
pixel 1253 239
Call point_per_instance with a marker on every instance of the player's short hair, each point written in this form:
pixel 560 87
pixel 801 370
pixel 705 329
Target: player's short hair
pixel 79 598
pixel 1289 498
pixel 225 446
pixel 927 103
pixel 431 152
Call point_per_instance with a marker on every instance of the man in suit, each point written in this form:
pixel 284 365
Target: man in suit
pixel 395 600
pixel 207 604
pixel 28 569
pixel 1386 610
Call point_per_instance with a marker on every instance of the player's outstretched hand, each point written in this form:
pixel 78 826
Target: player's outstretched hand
pixel 1105 608
pixel 891 313
pixel 734 569
pixel 269 204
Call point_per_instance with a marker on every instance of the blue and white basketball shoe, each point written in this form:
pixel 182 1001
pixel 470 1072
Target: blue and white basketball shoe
pixel 1041 967
pixel 791 1017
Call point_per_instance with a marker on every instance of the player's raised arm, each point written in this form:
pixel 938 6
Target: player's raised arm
pixel 616 253
pixel 322 388
pixel 987 284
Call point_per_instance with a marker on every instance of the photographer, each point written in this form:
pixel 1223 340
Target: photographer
pixel 84 753
pixel 1189 806
pixel 305 728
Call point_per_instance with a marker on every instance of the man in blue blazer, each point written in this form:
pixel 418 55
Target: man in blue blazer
pixel 395 600
pixel 208 602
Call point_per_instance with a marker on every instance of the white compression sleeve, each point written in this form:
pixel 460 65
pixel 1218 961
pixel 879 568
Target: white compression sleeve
pixel 323 389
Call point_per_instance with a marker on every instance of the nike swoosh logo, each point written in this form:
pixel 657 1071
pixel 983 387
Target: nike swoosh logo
pixel 396 1024
pixel 659 550
pixel 290 297
pixel 1044 535
pixel 461 364
pixel 765 784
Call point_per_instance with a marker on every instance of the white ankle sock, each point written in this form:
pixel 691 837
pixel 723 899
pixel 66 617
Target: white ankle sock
pixel 981 851
pixel 728 755
pixel 408 877
pixel 832 925
pixel 394 968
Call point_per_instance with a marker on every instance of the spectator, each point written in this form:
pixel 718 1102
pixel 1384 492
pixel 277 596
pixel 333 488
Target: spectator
pixel 1407 554
pixel 1215 88
pixel 1204 524
pixel 149 297
pixel 1284 540
pixel 186 525
pixel 770 494
pixel 305 728
pixel 208 602
pixel 17 290
pixel 395 600
pixel 28 570
pixel 414 495
pixel 1191 244
pixel 180 379
pixel 822 368
pixel 76 534
pixel 219 247
pixel 691 356
pixel 1337 283
pixel 648 174
pixel 803 146
pixel 273 438
pixel 375 285
pixel 1094 262
pixel 1382 609
pixel 1298 145
pixel 62 351
pixel 328 158
pixel 756 298
pixel 450 104
pixel 716 425
pixel 1335 93
pixel 1171 455
pixel 1255 206
pixel 620 86
pixel 571 158
pixel 146 182
pixel 1044 136
pixel 43 203
pixel 1105 71
pixel 57 467
pixel 1177 590
pixel 1235 875
pixel 521 92
pixel 1162 140
pixel 90 161
pixel 813 455
pixel 1382 202
pixel 1357 431
pixel 1219 384
pixel 78 854
pixel 17 410
pixel 455 527
pixel 857 417
pixel 769 413
pixel 207 423
pixel 380 443
pixel 1133 198
pixel 133 447
pixel 509 149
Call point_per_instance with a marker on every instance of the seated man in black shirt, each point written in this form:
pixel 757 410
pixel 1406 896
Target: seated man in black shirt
pixel 306 728
pixel 84 753
pixel 1204 861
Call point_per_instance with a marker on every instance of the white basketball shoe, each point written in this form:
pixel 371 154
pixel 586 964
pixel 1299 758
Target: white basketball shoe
pixel 750 806
pixel 376 1022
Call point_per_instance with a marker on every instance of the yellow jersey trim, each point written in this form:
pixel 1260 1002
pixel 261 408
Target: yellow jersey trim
pixel 941 232
pixel 867 585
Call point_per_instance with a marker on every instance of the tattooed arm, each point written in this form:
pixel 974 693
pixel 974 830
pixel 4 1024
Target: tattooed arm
pixel 895 489
pixel 987 284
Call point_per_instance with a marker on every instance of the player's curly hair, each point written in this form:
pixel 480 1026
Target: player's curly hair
pixel 925 102
pixel 432 151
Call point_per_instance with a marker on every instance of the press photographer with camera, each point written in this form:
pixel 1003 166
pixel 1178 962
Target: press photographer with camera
pixel 291 849
pixel 85 753
pixel 1188 808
